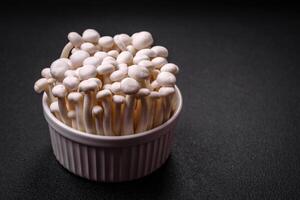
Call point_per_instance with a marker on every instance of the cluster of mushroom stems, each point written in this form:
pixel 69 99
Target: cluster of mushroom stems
pixel 110 86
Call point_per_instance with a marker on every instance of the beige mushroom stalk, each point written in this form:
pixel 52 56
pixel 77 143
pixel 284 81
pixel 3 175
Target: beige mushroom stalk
pixel 142 110
pixel 167 94
pixel 98 117
pixel 43 85
pixel 55 110
pixel 130 87
pixel 105 97
pixel 118 101
pixel 76 98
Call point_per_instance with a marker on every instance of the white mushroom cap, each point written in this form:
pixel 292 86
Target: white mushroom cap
pixel 160 51
pixel 118 99
pixel 59 91
pixel 147 64
pixel 88 47
pixel 130 86
pixel 106 42
pixel 142 40
pixel 107 86
pixel 116 88
pixel 148 52
pixel 46 73
pixel 54 106
pixel 125 57
pixel 98 81
pixel 87 85
pixel 131 49
pixel 154 84
pixel 170 67
pixel 122 41
pixel 90 35
pixel 78 57
pixel 97 111
pixel 75 39
pixel 110 60
pixel 113 53
pixel 165 91
pixel 159 62
pixel 75 97
pixel 87 71
pixel 93 60
pixel 166 79
pixel 138 72
pixel 139 58
pixel 71 82
pixel 101 55
pixel 40 85
pixel 123 67
pixel 143 92
pixel 103 93
pixel 105 68
pixel 117 75
pixel 154 95
pixel 70 72
pixel 58 69
pixel 74 50
pixel 51 80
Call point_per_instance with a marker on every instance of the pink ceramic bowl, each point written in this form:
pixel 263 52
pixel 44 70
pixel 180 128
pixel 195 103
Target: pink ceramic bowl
pixel 111 158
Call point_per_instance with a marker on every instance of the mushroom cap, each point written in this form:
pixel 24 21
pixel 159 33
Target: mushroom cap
pixel 87 85
pixel 87 71
pixel 71 82
pixel 101 55
pixel 46 73
pixel 105 68
pixel 70 72
pixel 159 62
pixel 59 91
pixel 78 57
pixel 92 60
pixel 107 86
pixel 40 85
pixel 170 67
pixel 75 97
pixel 75 39
pixel 154 95
pixel 98 81
pixel 103 94
pixel 130 86
pixel 131 49
pixel 143 92
pixel 165 91
pixel 147 64
pixel 58 69
pixel 122 41
pixel 74 49
pixel 139 58
pixel 123 67
pixel 125 57
pixel 116 87
pixel 106 42
pixel 88 47
pixel 154 84
pixel 117 75
pixel 90 35
pixel 110 60
pixel 51 80
pixel 97 110
pixel 113 53
pixel 118 99
pixel 54 106
pixel 166 79
pixel 148 52
pixel 138 72
pixel 142 40
pixel 160 51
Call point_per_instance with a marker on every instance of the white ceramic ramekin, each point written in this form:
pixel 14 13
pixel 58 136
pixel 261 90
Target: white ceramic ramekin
pixel 111 158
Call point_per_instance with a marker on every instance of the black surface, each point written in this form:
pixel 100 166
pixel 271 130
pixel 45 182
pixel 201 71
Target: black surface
pixel 238 137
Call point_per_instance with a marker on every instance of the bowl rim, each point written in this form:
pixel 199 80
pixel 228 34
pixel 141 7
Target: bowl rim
pixel 69 130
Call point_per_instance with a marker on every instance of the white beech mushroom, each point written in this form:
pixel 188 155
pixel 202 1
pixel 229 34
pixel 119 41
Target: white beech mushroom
pixel 88 87
pixel 118 100
pixel 98 117
pixel 167 94
pixel 106 42
pixel 139 58
pixel 147 52
pixel 90 35
pixel 148 65
pixel 46 73
pixel 105 97
pixel 76 99
pixel 117 75
pixel 58 69
pixel 72 116
pixel 131 49
pixel 93 60
pixel 142 110
pixel 158 62
pixel 70 72
pixel 55 110
pixel 123 67
pixel 170 67
pixel 166 79
pixel 109 60
pixel 139 73
pixel 122 41
pixel 88 47
pixel 66 50
pixel 160 51
pixel 142 40
pixel 116 88
pixel 130 87
pixel 105 69
pixel 78 57
pixel 154 112
pixel 113 53
pixel 86 72
pixel 60 92
pixel 125 57
pixel 75 39
pixel 101 55
pixel 43 85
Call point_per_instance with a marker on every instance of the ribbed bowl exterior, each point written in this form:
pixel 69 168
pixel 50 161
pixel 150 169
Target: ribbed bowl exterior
pixel 112 159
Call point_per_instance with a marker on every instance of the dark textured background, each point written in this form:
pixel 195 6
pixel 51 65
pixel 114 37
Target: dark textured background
pixel 238 137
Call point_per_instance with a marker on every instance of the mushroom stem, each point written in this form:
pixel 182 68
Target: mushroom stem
pixel 128 126
pixel 98 117
pixel 63 110
pixel 87 112
pixel 104 96
pixel 144 115
pixel 55 110
pixel 66 50
pixel 117 113
pixel 158 116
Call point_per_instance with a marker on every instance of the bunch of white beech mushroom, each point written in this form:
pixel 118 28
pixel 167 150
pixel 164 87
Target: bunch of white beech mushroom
pixel 110 85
